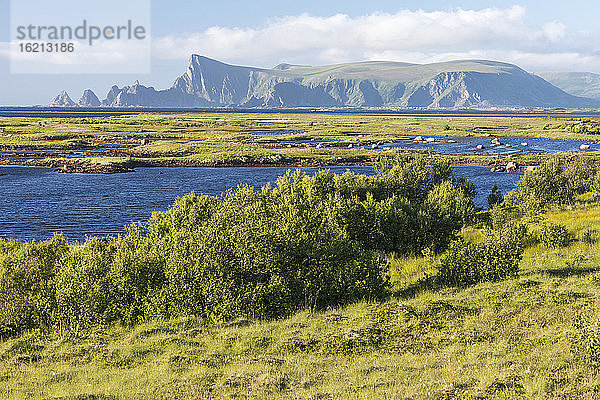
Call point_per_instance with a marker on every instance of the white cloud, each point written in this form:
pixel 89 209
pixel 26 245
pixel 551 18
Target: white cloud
pixel 411 36
pixel 554 31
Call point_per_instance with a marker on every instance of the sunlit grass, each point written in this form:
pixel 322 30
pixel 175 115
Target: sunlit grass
pixel 513 339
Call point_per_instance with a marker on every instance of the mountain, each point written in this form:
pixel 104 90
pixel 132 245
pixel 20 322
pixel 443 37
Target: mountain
pixel 584 84
pixel 455 84
pixel 62 100
pixel 88 99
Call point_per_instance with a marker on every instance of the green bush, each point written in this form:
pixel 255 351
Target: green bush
pixel 309 242
pixel 497 258
pixel 495 197
pixel 27 272
pixel 266 254
pixel 580 172
pixel 553 184
pixel 587 337
pixel 589 236
pixel 447 210
pixel 103 282
pixel 554 235
pixel 547 185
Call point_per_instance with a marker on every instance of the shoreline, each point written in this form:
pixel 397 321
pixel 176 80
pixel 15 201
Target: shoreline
pixel 82 166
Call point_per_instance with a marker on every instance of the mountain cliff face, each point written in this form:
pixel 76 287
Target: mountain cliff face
pixel 62 100
pixel 457 84
pixel 88 99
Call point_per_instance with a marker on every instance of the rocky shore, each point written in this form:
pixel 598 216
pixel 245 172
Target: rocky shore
pixel 85 167
pixel 88 168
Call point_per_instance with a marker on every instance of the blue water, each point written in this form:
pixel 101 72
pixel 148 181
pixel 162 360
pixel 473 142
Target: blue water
pixel 83 112
pixel 36 202
pixel 508 145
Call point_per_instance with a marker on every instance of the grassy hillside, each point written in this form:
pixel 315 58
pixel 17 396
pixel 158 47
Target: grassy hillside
pixel 396 71
pixel 583 84
pixel 534 336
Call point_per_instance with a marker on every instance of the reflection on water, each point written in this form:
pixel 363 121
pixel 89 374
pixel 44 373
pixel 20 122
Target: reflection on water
pixel 36 202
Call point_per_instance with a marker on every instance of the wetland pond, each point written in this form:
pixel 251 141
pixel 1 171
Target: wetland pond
pixel 36 202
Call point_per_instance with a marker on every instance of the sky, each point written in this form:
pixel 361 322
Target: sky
pixel 536 35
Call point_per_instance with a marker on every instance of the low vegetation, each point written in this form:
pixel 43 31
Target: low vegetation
pixel 319 287
pixel 239 139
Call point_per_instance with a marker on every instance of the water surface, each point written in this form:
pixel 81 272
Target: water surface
pixel 36 202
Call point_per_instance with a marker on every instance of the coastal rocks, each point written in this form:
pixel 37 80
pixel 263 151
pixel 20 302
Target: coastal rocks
pixel 512 167
pixel 88 168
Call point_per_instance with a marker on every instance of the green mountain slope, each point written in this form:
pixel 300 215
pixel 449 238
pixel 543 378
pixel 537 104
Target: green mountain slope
pixel 584 84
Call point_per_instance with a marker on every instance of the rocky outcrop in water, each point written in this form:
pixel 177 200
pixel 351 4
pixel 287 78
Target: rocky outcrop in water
pixel 457 84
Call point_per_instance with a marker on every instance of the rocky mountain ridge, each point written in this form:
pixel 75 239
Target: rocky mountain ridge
pixel 455 84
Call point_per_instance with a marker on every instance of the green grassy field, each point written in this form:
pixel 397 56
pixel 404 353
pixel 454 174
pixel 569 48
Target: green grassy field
pixel 206 139
pixel 536 336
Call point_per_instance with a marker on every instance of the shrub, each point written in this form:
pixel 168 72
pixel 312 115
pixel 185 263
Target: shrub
pixel 103 282
pixel 266 254
pixel 589 236
pixel 83 288
pixel 587 337
pixel 554 235
pixel 580 172
pixel 27 272
pixel 448 209
pixel 545 186
pixel 495 197
pixel 310 242
pixel 595 182
pixel 495 259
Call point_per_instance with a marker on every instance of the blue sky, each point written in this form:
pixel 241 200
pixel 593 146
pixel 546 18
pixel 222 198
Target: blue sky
pixel 536 35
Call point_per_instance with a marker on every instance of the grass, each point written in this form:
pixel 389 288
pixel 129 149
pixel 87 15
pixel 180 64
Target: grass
pixel 515 339
pixel 214 137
